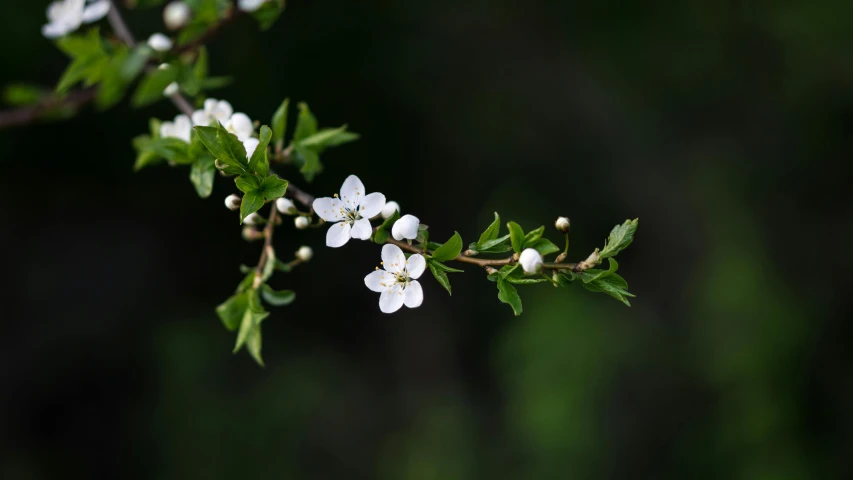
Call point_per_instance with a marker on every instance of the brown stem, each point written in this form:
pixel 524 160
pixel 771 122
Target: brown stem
pixel 269 229
pixel 29 114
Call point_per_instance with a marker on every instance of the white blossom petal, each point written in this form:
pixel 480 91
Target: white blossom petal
pixel 391 300
pixel 379 280
pixel 329 209
pixel 96 11
pixel 250 144
pixel 221 110
pixel 250 5
pixel 361 229
pixel 416 265
pixel 241 125
pixel 389 209
pixel 406 228
pixel 352 191
pixel 413 295
pixel 372 205
pixel 393 259
pixel 200 119
pixel 338 235
pixel 54 30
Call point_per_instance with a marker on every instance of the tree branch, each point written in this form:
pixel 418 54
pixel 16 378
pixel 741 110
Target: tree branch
pixel 29 114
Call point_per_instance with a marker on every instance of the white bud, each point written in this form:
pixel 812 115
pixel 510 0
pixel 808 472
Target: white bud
pixel 389 209
pixel 159 42
pixel 163 66
pixel 562 224
pixel 233 202
pixel 406 228
pixel 171 89
pixel 530 261
pixel 250 5
pixel 304 253
pixel 176 15
pixel 253 219
pixel 591 261
pixel 285 206
pixel 301 222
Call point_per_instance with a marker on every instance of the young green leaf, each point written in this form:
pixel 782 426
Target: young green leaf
pixel 543 246
pixel 211 138
pixel 259 163
pixel 310 161
pixel 275 298
pixel 620 237
pixel 532 236
pixel 613 285
pixel 445 268
pixel 382 234
pixel 509 295
pixel 450 250
pixel 491 232
pixel 516 235
pixel 252 202
pixel 279 121
pixel 232 310
pixel 151 87
pixel 306 124
pixel 328 137
pixel 440 274
pixel 202 173
pixel 273 187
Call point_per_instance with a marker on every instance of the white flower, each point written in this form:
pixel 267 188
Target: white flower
pixel 396 280
pixel 285 206
pixel 181 128
pixel 562 224
pixel 241 125
pixel 406 228
pixel 251 144
pixel 171 89
pixel 389 209
pixel 66 16
pixel 351 212
pixel 159 42
pixel 301 222
pixel 530 261
pixel 253 219
pixel 304 253
pixel 214 111
pixel 233 202
pixel 250 5
pixel 176 15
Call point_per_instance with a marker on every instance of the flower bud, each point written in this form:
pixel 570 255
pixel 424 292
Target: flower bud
pixel 562 224
pixel 171 89
pixel 530 261
pixel 176 15
pixel 250 234
pixel 406 228
pixel 250 5
pixel 304 253
pixel 252 219
pixel 159 42
pixel 389 209
pixel 301 222
pixel 233 202
pixel 285 206
pixel 591 261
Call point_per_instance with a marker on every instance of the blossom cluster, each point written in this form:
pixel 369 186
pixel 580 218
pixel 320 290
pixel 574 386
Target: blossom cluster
pixel 214 112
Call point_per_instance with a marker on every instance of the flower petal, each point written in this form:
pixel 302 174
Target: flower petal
pixel 416 265
pixel 413 295
pixel 329 209
pixel 406 228
pixel 338 235
pixel 54 30
pixel 372 205
pixel 241 125
pixel 392 258
pixel 391 300
pixel 251 144
pixel 379 280
pixel 96 11
pixel 352 191
pixel 361 229
pixel 200 119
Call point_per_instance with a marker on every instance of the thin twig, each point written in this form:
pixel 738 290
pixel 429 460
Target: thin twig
pixel 31 113
pixel 269 230
pixel 119 26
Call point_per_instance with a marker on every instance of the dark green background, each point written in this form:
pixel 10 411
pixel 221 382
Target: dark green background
pixel 724 126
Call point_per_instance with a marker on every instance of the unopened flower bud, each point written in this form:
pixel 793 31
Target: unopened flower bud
pixel 251 234
pixel 591 261
pixel 253 219
pixel 301 222
pixel 160 43
pixel 233 202
pixel 530 261
pixel 176 15
pixel 171 89
pixel 285 206
pixel 562 224
pixel 304 253
pixel 389 209
pixel 491 270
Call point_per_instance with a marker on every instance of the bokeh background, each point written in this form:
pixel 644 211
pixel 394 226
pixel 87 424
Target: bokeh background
pixel 724 126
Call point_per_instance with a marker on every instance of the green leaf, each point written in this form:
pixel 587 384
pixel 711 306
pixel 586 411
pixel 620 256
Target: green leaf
pixel 209 136
pixel 202 173
pixel 491 232
pixel 439 274
pixel 279 121
pixel 613 285
pixel 281 266
pixel 151 87
pixel 22 94
pixel 269 265
pixel 382 232
pixel 89 59
pixel 507 270
pixel 532 237
pixel 259 163
pixel 235 152
pixel 496 245
pixel 544 246
pixel 310 161
pixel 509 295
pixel 250 328
pixel 306 124
pixel 232 310
pixel 278 298
pixel 252 202
pixel 200 68
pixel 248 183
pixel 328 137
pixel 620 237
pixel 450 250
pixel 444 267
pixel 273 187
pixel 516 235
pixel 268 13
